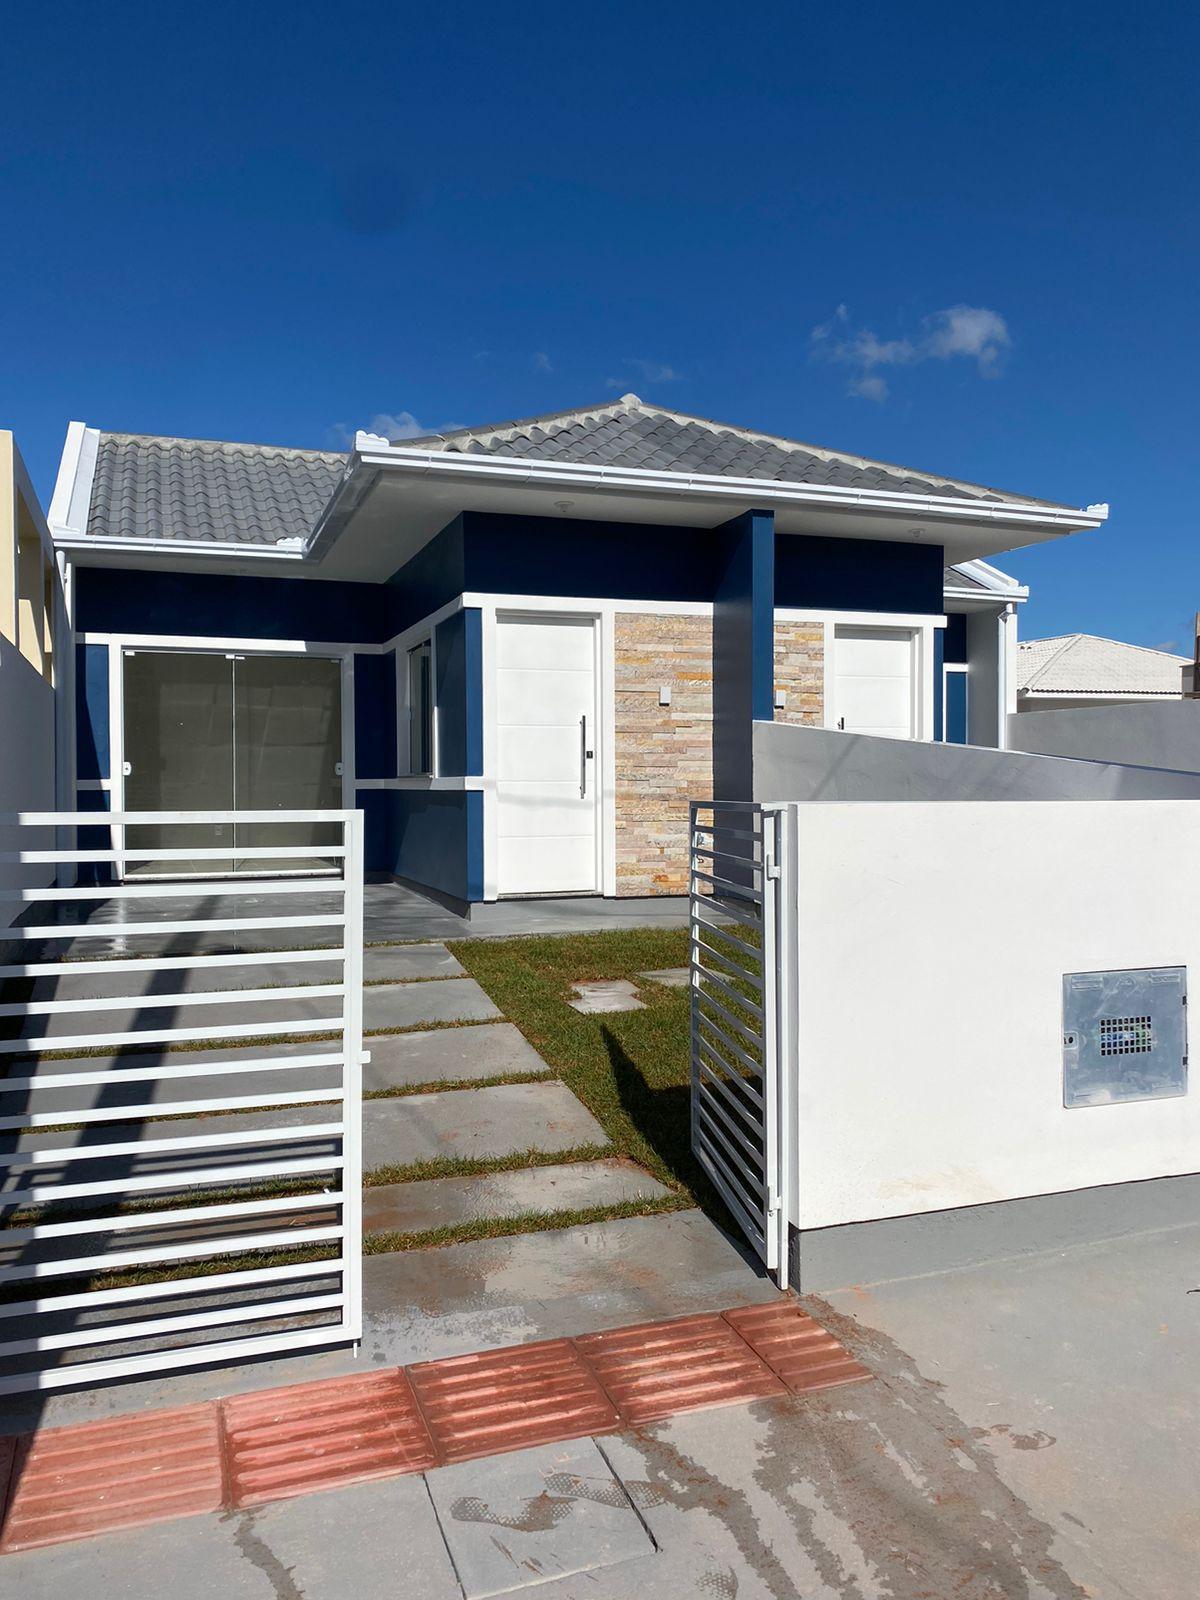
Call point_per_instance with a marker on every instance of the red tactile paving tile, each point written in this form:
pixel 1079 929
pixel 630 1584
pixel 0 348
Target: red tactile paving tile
pixel 796 1347
pixel 660 1368
pixel 502 1400
pixel 71 1483
pixel 285 1442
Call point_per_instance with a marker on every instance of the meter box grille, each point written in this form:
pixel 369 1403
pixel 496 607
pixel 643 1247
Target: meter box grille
pixel 1124 1035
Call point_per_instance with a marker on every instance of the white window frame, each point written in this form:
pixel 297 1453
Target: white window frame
pixel 203 644
pixel 404 701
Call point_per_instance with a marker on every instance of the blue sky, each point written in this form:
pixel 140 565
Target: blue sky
pixel 277 223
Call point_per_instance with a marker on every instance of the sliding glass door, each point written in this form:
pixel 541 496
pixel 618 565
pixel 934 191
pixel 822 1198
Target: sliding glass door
pixel 226 733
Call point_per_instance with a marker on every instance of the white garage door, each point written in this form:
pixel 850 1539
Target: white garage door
pixel 547 787
pixel 874 688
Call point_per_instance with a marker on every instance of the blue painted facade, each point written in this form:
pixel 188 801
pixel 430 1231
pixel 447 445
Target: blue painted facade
pixel 92 744
pixel 435 836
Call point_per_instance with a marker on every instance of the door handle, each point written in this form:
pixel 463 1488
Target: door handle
pixel 583 757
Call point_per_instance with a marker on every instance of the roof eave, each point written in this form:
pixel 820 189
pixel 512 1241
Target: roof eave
pixel 372 456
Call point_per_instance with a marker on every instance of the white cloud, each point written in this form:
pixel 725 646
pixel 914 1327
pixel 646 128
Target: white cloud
pixel 971 332
pixel 392 425
pixel 541 362
pixel 652 371
pixel 869 387
pixel 968 331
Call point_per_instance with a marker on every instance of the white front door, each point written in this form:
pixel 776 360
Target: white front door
pixel 547 764
pixel 874 681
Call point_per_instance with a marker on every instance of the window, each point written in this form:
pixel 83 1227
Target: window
pixel 420 710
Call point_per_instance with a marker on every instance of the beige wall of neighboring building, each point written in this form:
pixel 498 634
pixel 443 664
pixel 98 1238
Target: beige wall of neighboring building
pixel 31 614
pixel 664 752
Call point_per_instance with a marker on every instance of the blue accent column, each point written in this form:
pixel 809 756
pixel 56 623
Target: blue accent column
pixel 939 679
pixel 743 647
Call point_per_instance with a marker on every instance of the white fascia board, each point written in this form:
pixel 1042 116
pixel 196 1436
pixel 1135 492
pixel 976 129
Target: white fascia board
pixel 996 584
pixel 73 486
pixel 758 491
pixel 217 548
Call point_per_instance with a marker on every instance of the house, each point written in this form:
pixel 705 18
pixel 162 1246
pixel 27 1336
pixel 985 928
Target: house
pixel 519 648
pixel 1078 669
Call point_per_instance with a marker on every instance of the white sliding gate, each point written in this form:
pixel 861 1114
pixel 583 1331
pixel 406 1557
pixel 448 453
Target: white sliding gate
pixel 142 1245
pixel 743 1026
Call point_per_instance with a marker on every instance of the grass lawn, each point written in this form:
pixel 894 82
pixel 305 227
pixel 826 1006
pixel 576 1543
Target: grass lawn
pixel 630 1068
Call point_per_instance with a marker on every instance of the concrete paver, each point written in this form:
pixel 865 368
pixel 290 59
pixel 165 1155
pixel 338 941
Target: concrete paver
pixel 497 1120
pixel 669 977
pixel 405 963
pixel 600 995
pixel 492 1050
pixel 538 1514
pixel 374 1541
pixel 443 1202
pixel 385 1005
pixel 397 1061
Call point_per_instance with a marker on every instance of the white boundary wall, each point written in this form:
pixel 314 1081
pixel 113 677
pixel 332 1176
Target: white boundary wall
pixel 931 943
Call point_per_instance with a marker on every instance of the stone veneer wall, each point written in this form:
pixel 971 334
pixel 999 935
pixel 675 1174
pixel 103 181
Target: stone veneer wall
pixel 664 753
pixel 800 671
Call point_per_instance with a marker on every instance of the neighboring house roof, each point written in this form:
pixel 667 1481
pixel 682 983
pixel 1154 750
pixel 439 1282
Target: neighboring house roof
pixel 631 433
pixel 147 487
pixel 1081 664
pixel 152 488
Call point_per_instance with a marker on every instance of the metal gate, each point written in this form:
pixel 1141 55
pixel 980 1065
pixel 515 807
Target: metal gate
pixel 743 1119
pixel 132 1243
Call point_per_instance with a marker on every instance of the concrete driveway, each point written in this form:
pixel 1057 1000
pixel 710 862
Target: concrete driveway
pixel 1031 1433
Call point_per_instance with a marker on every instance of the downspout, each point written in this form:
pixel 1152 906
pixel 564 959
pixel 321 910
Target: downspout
pixel 65 786
pixel 1006 636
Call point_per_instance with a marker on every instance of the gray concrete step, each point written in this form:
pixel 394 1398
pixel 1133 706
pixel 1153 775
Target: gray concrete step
pixel 444 1202
pixel 385 1006
pixel 398 1060
pixel 475 1123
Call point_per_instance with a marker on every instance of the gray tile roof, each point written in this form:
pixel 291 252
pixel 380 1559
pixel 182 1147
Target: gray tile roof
pixel 630 433
pixel 150 488
pixel 161 488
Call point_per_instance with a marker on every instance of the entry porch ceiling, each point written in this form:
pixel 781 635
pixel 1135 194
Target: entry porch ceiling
pixel 376 525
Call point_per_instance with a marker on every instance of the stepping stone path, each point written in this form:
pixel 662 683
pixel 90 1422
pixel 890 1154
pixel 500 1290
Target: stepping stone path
pixel 427 1023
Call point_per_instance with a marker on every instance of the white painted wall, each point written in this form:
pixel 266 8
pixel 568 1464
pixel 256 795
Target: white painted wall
pixel 932 939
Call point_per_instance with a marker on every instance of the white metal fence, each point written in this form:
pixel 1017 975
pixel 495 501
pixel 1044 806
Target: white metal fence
pixel 741 1015
pixel 135 1244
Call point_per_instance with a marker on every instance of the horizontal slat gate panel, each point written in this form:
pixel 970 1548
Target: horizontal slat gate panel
pixel 733 996
pixel 272 1241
